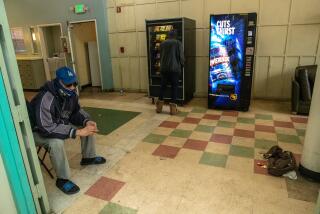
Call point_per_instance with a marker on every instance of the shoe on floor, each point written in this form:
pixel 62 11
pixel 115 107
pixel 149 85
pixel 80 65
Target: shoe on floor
pixel 67 186
pixel 91 161
pixel 159 105
pixel 173 108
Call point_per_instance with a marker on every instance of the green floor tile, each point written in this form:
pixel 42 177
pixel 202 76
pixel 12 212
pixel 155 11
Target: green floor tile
pixel 264 144
pixel 213 159
pixel 181 133
pixel 154 138
pixel 109 119
pixel 301 132
pixel 182 114
pixel 199 110
pixel 246 120
pixel 288 138
pixel 241 151
pixel 226 124
pixel 264 116
pixel 112 208
pixel 204 128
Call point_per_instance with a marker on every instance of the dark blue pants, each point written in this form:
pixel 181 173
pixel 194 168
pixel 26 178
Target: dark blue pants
pixel 173 79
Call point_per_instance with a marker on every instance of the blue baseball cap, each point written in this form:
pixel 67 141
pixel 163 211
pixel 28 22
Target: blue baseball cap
pixel 66 75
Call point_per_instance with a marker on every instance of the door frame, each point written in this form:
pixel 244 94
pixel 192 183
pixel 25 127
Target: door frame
pixel 20 127
pixel 44 49
pixel 12 158
pixel 71 45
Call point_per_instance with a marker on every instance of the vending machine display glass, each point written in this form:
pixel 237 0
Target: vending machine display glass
pixel 157 34
pixel 228 61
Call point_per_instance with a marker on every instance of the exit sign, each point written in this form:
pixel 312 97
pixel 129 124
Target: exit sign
pixel 80 8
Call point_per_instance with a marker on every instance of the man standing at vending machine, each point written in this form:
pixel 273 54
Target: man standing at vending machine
pixel 171 63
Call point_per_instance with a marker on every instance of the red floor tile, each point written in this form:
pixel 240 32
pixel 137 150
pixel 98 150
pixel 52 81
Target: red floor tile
pixel 169 124
pixel 191 120
pixel 105 188
pixel 299 119
pixel 211 117
pixel 220 138
pixel 243 133
pixel 258 169
pixel 283 124
pixel 166 151
pixel 196 144
pixel 230 113
pixel 262 128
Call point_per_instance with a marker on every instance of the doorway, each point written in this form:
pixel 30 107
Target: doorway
pixel 51 47
pixel 85 52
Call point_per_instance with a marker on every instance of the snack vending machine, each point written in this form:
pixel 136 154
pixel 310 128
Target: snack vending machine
pixel 231 60
pixel 157 32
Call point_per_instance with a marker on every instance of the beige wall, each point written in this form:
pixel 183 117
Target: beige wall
pixel 288 35
pixel 52 36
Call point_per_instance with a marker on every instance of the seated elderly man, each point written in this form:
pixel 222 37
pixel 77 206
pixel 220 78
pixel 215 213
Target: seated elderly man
pixel 55 115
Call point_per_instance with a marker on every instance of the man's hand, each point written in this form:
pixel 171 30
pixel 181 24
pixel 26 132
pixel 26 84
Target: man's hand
pixel 92 123
pixel 86 131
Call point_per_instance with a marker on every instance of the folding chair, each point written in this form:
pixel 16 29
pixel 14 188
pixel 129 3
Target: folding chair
pixel 41 159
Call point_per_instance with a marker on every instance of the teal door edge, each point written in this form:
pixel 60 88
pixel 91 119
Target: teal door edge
pixel 12 158
pixel 16 100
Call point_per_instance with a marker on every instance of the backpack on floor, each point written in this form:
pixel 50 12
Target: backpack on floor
pixel 279 161
pixel 274 151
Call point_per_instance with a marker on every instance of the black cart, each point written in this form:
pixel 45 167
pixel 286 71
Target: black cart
pixel 157 32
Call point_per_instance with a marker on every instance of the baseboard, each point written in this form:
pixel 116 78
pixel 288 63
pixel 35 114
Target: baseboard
pixel 309 174
pixel 271 99
pixel 200 94
pixel 130 90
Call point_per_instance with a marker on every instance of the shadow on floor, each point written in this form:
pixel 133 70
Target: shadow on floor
pixel 303 189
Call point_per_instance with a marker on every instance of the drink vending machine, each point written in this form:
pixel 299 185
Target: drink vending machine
pixel 231 60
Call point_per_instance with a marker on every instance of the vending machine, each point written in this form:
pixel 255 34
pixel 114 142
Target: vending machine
pixel 157 32
pixel 231 60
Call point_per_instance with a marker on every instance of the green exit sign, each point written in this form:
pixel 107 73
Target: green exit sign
pixel 80 8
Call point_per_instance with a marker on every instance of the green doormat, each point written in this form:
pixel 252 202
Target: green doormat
pixel 108 119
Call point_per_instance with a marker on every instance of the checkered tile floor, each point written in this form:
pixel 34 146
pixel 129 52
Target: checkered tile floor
pixel 228 139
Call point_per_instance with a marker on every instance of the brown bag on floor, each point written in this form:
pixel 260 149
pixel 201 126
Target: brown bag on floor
pixel 274 151
pixel 281 163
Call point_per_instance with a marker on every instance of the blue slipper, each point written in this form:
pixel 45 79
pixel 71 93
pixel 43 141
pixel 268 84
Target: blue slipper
pixel 67 186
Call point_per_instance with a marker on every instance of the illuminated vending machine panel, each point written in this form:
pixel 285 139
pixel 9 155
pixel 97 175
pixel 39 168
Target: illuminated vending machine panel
pixel 157 32
pixel 231 54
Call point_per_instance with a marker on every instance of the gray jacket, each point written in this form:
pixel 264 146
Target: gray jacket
pixel 53 115
pixel 171 53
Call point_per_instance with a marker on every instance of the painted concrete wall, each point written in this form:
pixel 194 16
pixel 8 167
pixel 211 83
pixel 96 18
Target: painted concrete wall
pixel 288 35
pixel 26 13
pixel 52 39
